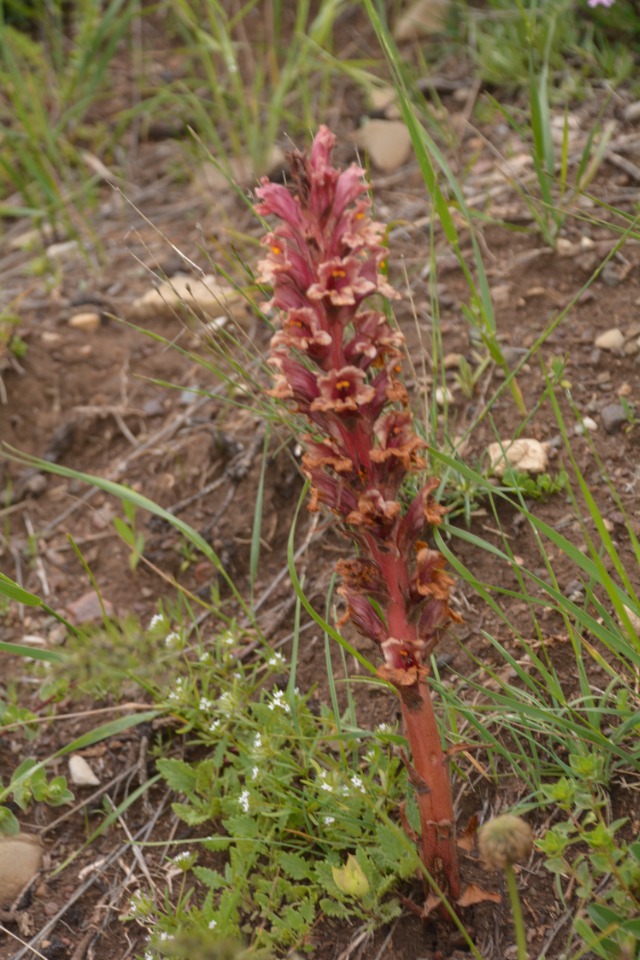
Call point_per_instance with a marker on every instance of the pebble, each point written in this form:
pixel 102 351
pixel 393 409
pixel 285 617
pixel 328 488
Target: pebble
pixel 81 773
pixel 36 485
pixel 632 112
pixel 632 347
pixel 89 322
pixel 451 361
pixel 443 396
pixel 587 425
pixel 613 416
pixel 612 339
pixel 20 860
pixel 524 454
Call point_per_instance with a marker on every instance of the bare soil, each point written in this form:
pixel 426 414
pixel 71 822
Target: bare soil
pixel 96 400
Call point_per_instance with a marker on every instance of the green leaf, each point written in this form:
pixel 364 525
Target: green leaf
pixel 333 908
pixel 191 814
pixel 179 775
pixel 9 824
pixel 295 865
pixel 33 653
pixel 211 878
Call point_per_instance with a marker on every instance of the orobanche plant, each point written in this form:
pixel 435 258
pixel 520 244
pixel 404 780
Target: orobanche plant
pixel 336 364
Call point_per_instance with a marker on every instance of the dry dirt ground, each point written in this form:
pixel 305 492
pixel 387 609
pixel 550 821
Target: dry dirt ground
pixel 96 400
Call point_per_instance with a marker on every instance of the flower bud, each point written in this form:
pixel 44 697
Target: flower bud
pixel 351 879
pixel 504 841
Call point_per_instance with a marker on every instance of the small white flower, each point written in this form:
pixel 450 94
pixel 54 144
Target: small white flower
pixel 148 955
pixel 214 726
pixel 243 800
pixel 156 620
pixel 181 857
pixel 166 936
pixel 212 924
pixel 324 785
pixel 172 639
pixel 357 782
pixel 205 657
pixel 329 820
pixel 226 702
pixel 277 660
pixel 254 773
pixel 278 700
pixel 384 728
pixel 205 704
pixel 227 637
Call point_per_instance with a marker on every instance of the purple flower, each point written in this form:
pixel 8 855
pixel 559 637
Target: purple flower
pixel 601 3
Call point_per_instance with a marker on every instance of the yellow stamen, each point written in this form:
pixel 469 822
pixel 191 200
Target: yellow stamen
pixel 343 384
pixel 276 250
pixel 338 273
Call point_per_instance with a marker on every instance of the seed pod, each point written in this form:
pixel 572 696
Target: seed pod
pixel 504 841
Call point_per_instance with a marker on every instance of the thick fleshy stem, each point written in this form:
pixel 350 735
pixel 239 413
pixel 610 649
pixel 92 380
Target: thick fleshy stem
pixel 336 363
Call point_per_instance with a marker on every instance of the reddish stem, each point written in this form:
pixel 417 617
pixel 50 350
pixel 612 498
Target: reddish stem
pixel 430 777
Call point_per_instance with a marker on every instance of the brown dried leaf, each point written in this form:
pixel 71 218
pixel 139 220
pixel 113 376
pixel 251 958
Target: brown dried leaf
pixel 476 894
pixel 466 839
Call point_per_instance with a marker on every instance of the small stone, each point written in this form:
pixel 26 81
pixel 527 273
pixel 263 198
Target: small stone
pixel 87 608
pixel 20 860
pixel 632 112
pixel 611 275
pixel 81 773
pixel 59 251
pixel 524 454
pixel 51 339
pixel 587 424
pixel 565 247
pixel 202 295
pixel 89 322
pixel 36 485
pixel 451 361
pixel 388 143
pixel 443 396
pixel 612 339
pixel 632 347
pixel 613 416
pixel 153 407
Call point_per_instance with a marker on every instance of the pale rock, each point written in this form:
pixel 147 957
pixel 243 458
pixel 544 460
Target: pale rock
pixel 588 424
pixel 634 619
pixel 241 170
pixel 204 295
pixel 87 608
pixel 423 18
pixel 451 361
pixel 501 293
pixel 632 112
pixel 59 251
pixel 612 339
pixel 387 142
pixel 89 322
pixel 525 454
pixel 383 100
pixel 565 247
pixel 32 239
pixel 81 773
pixel 51 339
pixel 20 860
pixel 443 396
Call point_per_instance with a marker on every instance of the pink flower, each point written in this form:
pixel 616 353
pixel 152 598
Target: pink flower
pixel 343 391
pixel 600 3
